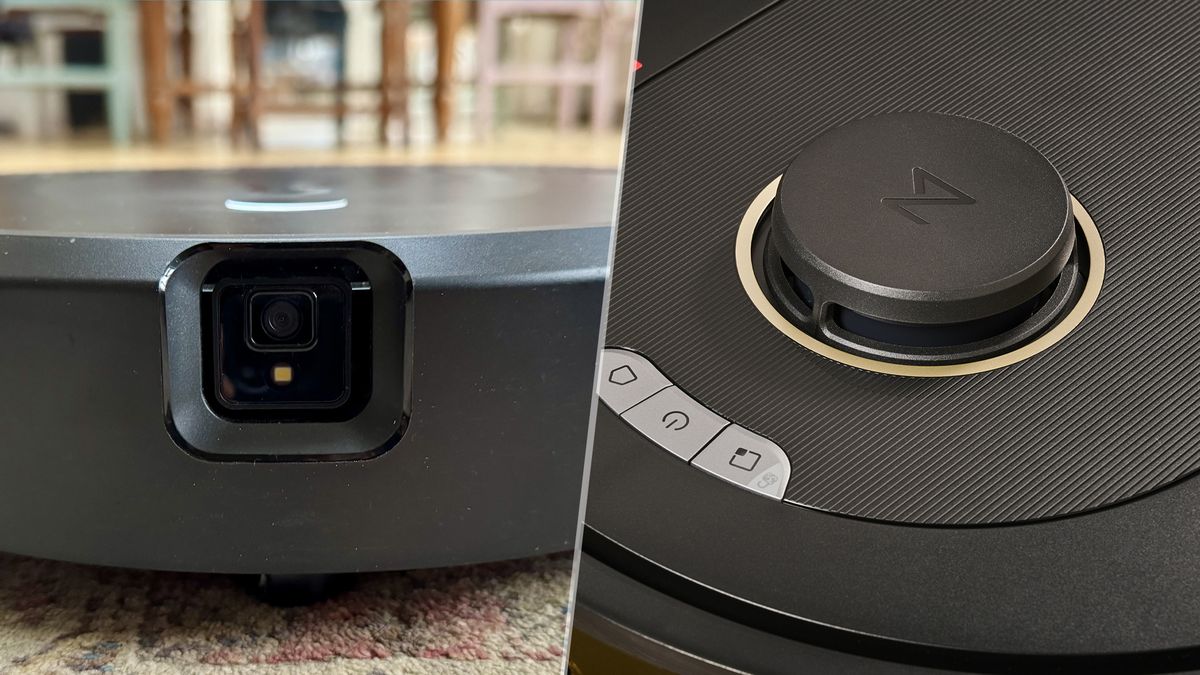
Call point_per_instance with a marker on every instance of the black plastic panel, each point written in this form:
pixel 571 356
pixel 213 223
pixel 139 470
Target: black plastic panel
pixel 502 351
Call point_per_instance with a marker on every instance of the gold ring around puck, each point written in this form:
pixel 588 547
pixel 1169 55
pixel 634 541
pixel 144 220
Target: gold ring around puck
pixel 745 266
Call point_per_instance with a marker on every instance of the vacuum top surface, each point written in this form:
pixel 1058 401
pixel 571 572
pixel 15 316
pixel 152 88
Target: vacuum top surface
pixel 1105 415
pixel 307 201
pixel 1039 516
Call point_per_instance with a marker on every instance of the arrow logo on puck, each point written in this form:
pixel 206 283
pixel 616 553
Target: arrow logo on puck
pixel 920 178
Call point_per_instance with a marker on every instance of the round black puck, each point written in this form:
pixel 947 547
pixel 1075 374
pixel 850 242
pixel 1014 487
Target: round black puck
pixel 923 218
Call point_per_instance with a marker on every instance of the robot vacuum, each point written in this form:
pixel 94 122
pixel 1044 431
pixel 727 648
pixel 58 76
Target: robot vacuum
pixel 299 371
pixel 901 365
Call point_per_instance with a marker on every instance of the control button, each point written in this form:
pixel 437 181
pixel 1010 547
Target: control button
pixel 675 421
pixel 627 379
pixel 748 460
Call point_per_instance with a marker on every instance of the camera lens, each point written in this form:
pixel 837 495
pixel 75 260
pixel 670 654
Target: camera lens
pixel 281 319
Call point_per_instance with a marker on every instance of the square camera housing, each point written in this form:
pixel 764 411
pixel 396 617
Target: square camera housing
pixel 287 351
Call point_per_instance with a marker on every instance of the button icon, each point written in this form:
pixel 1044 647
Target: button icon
pixel 622 376
pixel 676 419
pixel 920 176
pixel 626 379
pixel 676 422
pixel 745 459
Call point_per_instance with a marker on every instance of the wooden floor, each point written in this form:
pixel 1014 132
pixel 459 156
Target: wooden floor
pixel 514 146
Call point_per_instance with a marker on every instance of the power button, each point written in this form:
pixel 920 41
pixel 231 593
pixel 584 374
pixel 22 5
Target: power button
pixel 676 421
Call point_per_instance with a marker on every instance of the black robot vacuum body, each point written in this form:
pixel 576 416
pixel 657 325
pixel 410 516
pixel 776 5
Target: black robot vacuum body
pixel 295 371
pixel 900 366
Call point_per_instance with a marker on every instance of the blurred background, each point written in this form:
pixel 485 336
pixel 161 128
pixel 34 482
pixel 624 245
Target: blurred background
pixel 127 84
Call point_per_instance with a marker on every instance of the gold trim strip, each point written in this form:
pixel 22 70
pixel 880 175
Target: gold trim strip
pixel 1087 299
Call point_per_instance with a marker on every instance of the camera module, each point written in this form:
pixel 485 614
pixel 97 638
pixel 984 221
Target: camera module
pixel 289 340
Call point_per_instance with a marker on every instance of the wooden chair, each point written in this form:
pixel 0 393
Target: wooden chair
pixel 169 84
pixel 570 75
pixel 249 96
pixel 392 88
pixel 115 78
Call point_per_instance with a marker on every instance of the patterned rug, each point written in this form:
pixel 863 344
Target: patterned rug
pixel 497 618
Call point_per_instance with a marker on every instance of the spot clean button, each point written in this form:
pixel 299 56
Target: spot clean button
pixel 747 460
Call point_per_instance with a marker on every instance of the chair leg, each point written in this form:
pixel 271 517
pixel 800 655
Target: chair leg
pixel 448 18
pixel 487 42
pixel 119 59
pixel 257 38
pixel 602 81
pixel 385 67
pixel 239 87
pixel 187 103
pixel 339 113
pixel 393 80
pixel 572 55
pixel 400 85
pixel 152 16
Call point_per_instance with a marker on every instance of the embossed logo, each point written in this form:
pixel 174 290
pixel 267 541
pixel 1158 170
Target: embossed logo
pixel 920 177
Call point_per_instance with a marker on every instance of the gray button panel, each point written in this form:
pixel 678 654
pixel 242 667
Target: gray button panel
pixel 675 421
pixel 627 379
pixel 747 460
pixel 637 391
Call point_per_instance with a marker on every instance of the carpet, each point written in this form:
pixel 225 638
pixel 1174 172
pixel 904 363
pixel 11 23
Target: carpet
pixel 505 617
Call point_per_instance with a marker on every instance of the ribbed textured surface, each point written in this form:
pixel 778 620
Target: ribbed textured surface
pixel 1108 91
